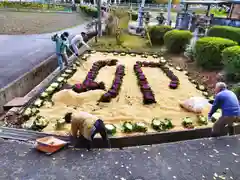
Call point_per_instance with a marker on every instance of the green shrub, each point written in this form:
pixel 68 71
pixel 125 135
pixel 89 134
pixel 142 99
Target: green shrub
pixel 176 40
pixel 31 5
pixel 90 11
pixel 134 16
pixel 227 32
pixel 28 5
pixel 208 51
pixel 157 33
pixel 231 61
pixel 236 90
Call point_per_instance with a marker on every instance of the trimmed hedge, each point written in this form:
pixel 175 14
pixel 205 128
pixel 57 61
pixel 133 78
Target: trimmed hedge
pixel 90 11
pixel 231 61
pixel 236 90
pixel 29 5
pixel 134 16
pixel 177 40
pixel 227 32
pixel 208 51
pixel 32 5
pixel 157 33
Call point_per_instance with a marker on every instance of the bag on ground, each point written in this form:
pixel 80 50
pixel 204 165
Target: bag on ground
pixel 194 104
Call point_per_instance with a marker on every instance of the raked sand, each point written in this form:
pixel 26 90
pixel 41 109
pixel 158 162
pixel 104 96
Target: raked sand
pixel 127 106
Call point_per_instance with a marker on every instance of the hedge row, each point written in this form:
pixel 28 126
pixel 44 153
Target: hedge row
pixel 134 16
pixel 90 11
pixel 231 61
pixel 209 51
pixel 218 53
pixel 177 40
pixel 157 33
pixel 174 40
pixel 227 32
pixel 236 90
pixel 30 5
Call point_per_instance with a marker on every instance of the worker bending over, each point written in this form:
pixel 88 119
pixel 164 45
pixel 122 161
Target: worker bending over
pixel 86 126
pixel 228 102
pixel 78 39
pixel 62 44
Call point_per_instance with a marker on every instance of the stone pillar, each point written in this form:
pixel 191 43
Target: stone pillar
pixel 236 11
pixel 140 15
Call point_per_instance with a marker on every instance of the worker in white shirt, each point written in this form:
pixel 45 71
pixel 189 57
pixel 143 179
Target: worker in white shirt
pixel 78 39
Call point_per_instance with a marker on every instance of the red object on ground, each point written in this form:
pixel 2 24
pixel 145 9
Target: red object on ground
pixel 50 144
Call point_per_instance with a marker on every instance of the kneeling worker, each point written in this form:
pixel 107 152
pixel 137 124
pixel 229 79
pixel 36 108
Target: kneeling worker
pixel 78 39
pixel 227 101
pixel 87 126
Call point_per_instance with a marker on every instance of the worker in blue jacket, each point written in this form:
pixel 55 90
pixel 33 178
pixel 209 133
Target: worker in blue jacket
pixel 62 44
pixel 228 102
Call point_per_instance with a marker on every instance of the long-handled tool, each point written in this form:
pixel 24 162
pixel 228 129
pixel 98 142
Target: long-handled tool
pixel 80 60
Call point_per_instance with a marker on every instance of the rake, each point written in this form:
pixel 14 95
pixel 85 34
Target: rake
pixel 80 60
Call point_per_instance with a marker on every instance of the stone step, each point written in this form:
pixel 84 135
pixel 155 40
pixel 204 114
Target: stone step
pixel 16 102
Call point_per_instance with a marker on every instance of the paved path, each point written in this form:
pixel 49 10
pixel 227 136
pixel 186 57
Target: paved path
pixel 20 53
pixel 190 160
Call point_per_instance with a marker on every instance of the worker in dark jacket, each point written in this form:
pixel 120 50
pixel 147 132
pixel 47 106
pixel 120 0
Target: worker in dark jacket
pixel 161 19
pixel 228 102
pixel 62 44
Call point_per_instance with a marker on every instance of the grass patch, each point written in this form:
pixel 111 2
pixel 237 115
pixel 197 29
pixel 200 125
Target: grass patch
pixel 123 22
pixel 218 13
pixel 133 41
pixel 129 42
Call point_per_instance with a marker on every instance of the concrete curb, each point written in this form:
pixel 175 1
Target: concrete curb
pixel 31 83
pixel 36 91
pixel 118 142
pixel 27 81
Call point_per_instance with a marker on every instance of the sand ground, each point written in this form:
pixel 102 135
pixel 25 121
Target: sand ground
pixel 127 106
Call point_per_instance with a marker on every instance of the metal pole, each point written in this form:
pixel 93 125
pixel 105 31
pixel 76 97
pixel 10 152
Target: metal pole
pixel 99 19
pixel 140 17
pixel 169 11
pixel 186 7
pixel 208 10
pixel 230 11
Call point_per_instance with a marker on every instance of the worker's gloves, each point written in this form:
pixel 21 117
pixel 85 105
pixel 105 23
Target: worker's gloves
pixel 209 119
pixel 54 36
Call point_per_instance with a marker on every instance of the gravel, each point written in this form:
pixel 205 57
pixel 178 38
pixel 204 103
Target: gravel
pixel 36 23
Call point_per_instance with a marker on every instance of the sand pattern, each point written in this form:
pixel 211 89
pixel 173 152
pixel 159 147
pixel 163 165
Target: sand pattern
pixel 127 106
